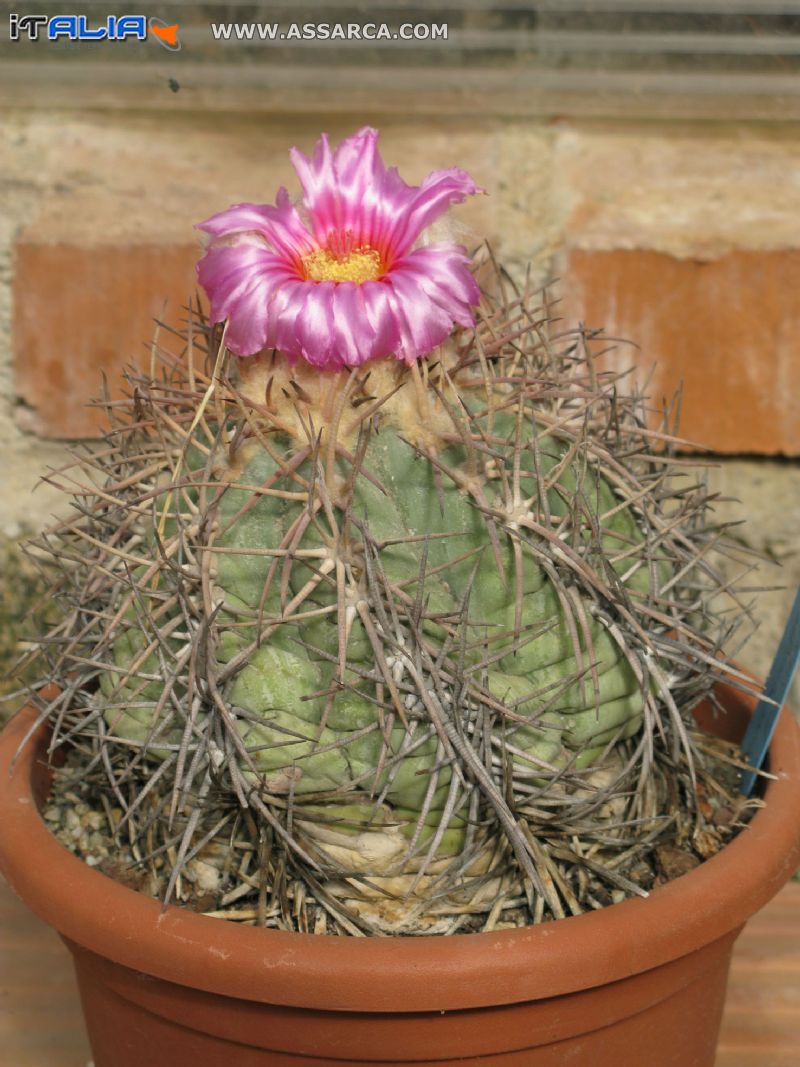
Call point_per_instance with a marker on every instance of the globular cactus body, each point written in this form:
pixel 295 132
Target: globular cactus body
pixel 398 506
pixel 408 620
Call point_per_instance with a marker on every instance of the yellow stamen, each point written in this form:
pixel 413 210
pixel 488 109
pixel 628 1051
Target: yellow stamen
pixel 360 265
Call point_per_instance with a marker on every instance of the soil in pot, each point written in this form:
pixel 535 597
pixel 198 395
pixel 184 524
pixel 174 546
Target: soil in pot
pixel 221 880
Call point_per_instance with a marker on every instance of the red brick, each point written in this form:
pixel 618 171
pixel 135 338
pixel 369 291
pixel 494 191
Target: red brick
pixel 80 312
pixel 727 328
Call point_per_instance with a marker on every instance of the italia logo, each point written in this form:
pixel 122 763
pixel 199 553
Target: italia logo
pixel 81 28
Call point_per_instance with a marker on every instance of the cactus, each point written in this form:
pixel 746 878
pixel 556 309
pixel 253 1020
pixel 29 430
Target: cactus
pixel 414 628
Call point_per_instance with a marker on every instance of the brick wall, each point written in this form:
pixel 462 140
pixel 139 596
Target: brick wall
pixel 683 239
pixel 686 242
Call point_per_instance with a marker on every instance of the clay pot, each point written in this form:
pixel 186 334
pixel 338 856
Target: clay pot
pixel 641 982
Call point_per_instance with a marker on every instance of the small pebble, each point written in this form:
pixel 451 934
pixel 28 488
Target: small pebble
pixel 205 876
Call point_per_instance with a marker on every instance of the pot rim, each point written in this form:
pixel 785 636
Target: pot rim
pixel 406 974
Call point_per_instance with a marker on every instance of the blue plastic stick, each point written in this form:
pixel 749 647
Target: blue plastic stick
pixel 765 718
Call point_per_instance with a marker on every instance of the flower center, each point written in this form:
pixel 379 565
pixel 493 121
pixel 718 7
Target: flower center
pixel 339 261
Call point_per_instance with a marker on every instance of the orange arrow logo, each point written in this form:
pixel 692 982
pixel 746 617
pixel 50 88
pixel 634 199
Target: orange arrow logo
pixel 169 34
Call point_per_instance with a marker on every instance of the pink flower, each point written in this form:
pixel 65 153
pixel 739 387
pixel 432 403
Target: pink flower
pixel 348 285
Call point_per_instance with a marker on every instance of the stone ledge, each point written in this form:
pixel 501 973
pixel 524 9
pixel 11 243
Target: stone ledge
pixel 692 191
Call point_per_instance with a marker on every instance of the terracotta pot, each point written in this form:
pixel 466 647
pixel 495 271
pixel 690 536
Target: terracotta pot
pixel 642 982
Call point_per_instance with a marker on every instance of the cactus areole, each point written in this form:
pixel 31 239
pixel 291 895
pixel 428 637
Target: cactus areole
pixel 383 574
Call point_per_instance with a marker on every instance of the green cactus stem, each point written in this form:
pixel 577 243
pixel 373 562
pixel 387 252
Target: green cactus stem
pixel 407 625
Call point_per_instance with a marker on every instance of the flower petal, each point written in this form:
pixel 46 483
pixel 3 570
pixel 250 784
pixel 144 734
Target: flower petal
pixel 354 336
pixel 314 325
pixel 422 323
pixel 281 225
pixel 334 329
pixel 242 281
pixel 439 190
pixel 371 198
pixel 443 272
pixel 378 309
pixel 285 309
pixel 350 191
pixel 320 189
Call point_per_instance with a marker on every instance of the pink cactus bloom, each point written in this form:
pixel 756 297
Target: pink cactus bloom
pixel 348 285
